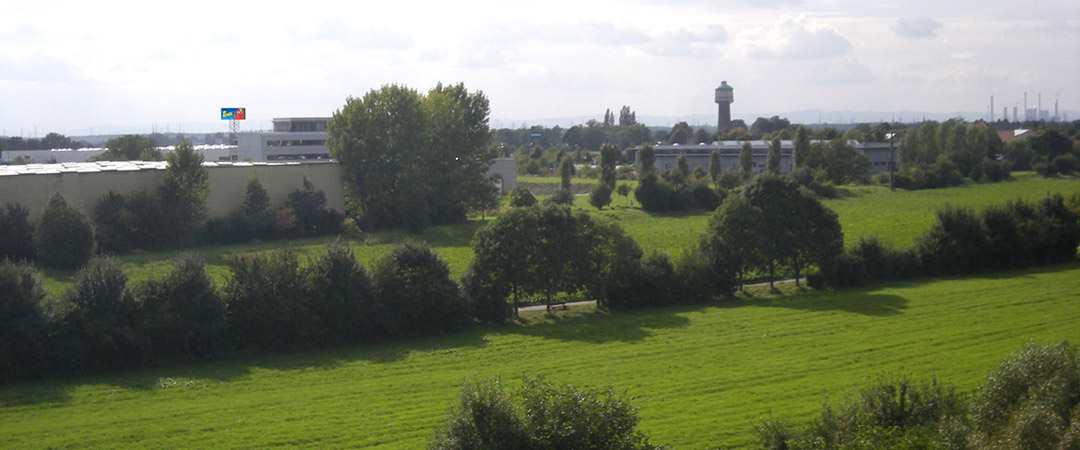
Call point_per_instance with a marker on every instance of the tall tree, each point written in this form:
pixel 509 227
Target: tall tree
pixel 130 147
pixel 183 191
pixel 627 117
pixel 566 172
pixel 746 160
pixel 646 161
pixel 772 160
pixel 801 148
pixel 715 167
pixel 608 161
pixel 394 136
pixel 609 118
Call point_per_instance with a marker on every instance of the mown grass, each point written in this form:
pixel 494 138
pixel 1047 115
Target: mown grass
pixel 701 375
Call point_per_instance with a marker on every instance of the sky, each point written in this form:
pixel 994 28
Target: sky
pixel 72 67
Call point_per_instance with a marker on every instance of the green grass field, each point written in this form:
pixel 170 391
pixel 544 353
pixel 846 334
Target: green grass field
pixel 701 376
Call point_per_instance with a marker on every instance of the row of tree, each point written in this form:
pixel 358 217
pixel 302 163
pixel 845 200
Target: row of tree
pixel 1010 235
pixel 270 303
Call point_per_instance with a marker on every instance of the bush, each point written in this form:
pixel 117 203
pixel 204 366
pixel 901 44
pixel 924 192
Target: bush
pixel 342 303
pixel 64 238
pixel 421 298
pixel 263 302
pixel 704 196
pixel 181 315
pixel 956 243
pixel 561 197
pixel 16 233
pixel 995 171
pixel 487 297
pixel 1030 401
pixel 521 197
pixel 99 330
pixel 600 196
pixel 148 218
pixel 540 415
pixel 312 218
pixel 112 223
pixel 22 322
pixel 654 194
pixel 1066 164
pixel 868 261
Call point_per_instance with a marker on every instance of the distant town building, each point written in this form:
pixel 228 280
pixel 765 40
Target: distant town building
pixel 699 155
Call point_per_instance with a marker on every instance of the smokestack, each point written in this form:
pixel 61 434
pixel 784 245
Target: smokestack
pixel 1005 114
pixel 1026 118
pixel 1055 110
pixel 991 108
pixel 1038 108
pixel 1015 119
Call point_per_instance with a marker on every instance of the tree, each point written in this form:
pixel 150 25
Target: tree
pixel 624 190
pixel 763 126
pixel 64 237
pixel 715 167
pixel 102 316
pixel 394 136
pixel 627 117
pixel 16 233
pixel 600 196
pixel 130 147
pixel 503 250
pixel 608 161
pixel 772 160
pixel 573 137
pixel 566 172
pixel 801 149
pixel 521 197
pixel 746 160
pixel 681 133
pixel 181 314
pixel 22 320
pixel 702 137
pixel 841 162
pixel 646 161
pixel 421 298
pixel 113 227
pixel 609 118
pixel 732 242
pixel 183 191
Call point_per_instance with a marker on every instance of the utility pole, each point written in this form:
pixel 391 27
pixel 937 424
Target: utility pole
pixel 892 161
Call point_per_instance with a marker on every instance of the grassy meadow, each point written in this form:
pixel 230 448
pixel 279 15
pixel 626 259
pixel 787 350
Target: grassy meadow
pixel 701 375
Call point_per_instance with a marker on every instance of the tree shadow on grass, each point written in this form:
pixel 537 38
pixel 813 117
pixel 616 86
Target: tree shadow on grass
pixel 58 391
pixel 598 326
pixel 858 302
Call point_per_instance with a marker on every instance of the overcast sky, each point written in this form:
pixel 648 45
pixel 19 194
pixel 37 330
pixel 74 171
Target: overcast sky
pixel 70 66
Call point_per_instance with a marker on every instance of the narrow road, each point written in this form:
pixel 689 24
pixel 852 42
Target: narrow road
pixel 591 302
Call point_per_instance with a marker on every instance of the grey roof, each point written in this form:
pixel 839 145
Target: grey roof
pixel 123 166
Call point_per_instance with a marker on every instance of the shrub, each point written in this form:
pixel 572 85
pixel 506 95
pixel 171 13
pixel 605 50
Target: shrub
pixel 312 218
pixel 540 415
pixel 1066 164
pixel 956 243
pixel 600 196
pixel 263 302
pixel 64 238
pixel 112 223
pixel 704 196
pixel 868 261
pixel 22 323
pixel 521 197
pixel 654 194
pixel 421 298
pixel 487 297
pixel 181 314
pixel 342 303
pixel 561 197
pixel 16 233
pixel 148 227
pixel 1030 400
pixel 995 171
pixel 99 330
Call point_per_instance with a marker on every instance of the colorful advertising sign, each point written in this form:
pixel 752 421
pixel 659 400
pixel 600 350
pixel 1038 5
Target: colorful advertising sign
pixel 233 113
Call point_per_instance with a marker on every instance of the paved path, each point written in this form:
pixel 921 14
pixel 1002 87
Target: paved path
pixel 590 302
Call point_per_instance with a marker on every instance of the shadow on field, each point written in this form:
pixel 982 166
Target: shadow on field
pixel 599 327
pixel 198 374
pixel 865 303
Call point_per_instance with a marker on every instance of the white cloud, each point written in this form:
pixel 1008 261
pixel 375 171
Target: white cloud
pixel 39 68
pixel 916 27
pixel 689 42
pixel 368 38
pixel 847 71
pixel 795 37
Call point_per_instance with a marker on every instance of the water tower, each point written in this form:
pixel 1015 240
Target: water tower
pixel 725 96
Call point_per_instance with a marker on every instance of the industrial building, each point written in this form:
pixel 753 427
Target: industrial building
pixel 699 155
pixel 293 138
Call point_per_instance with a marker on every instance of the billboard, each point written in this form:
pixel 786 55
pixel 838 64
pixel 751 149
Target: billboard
pixel 233 113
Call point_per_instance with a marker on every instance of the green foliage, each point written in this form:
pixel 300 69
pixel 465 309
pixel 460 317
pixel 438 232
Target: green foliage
pixel 841 163
pixel 312 217
pixel 22 321
pixel 1030 401
pixel 715 167
pixel 183 193
pixel 64 237
pixel 99 330
pixel 540 415
pixel 113 226
pixel 746 160
pixel 566 172
pixel 801 147
pixel 600 196
pixel 772 160
pixel 680 133
pixel 263 299
pixel 624 190
pixel 253 220
pixel 420 297
pixel 181 315
pixel 16 233
pixel 130 147
pixel 394 136
pixel 646 161
pixel 521 197
pixel 561 197
pixel 341 299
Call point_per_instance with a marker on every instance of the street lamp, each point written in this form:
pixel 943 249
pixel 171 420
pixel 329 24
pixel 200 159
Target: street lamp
pixel 892 161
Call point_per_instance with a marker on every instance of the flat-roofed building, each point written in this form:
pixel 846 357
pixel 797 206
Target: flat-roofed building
pixel 293 138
